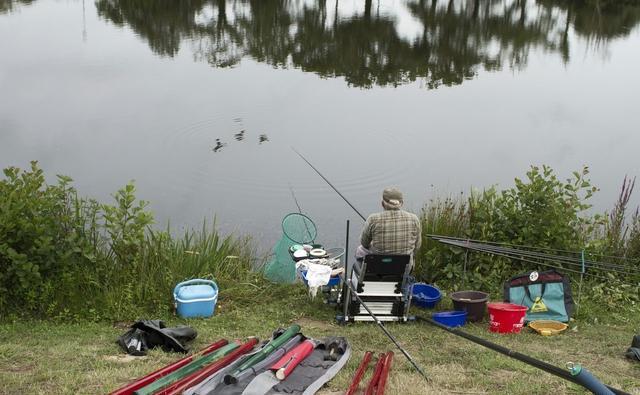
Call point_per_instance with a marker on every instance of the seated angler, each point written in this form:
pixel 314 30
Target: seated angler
pixel 392 231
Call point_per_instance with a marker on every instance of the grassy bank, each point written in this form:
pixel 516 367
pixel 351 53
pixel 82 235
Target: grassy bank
pixel 36 356
pixel 67 257
pixel 91 268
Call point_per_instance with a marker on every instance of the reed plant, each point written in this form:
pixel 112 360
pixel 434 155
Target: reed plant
pixel 446 217
pixel 166 260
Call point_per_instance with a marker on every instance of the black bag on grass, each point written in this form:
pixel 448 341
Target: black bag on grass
pixel 546 294
pixel 147 334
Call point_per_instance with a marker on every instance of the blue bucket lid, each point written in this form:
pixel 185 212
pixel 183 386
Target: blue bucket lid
pixel 200 292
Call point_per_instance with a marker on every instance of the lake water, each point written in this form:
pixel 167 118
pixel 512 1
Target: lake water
pixel 200 102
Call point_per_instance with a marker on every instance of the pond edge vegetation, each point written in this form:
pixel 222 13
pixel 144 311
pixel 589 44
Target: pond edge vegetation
pixel 68 257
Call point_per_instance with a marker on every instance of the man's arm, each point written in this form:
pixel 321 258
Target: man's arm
pixel 366 236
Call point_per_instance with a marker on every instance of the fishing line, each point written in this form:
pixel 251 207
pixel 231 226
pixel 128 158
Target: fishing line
pixel 294 198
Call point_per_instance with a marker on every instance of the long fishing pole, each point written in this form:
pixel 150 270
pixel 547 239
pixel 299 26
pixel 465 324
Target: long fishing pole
pixel 349 285
pixel 386 332
pixel 547 367
pixel 330 184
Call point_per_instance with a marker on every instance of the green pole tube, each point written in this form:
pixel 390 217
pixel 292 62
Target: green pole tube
pixel 269 348
pixel 186 370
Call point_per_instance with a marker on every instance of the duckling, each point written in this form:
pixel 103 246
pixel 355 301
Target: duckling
pixel 219 146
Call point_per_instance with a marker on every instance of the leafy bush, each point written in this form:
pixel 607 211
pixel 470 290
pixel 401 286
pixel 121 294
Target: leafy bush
pixel 65 256
pixel 44 248
pixel 539 211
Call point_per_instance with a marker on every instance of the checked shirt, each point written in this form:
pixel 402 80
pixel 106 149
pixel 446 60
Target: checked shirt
pixel 392 232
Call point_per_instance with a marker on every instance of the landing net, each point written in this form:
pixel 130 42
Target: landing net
pixel 296 229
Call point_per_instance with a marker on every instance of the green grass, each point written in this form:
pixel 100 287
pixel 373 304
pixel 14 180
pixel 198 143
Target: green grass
pixel 61 358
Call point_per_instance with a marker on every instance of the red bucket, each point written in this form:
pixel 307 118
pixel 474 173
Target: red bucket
pixel 506 317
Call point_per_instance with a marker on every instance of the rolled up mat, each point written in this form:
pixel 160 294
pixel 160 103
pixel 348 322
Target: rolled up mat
pixel 359 373
pixel 197 377
pixel 382 381
pixel 151 377
pixel 186 370
pixel 376 376
pixel 588 380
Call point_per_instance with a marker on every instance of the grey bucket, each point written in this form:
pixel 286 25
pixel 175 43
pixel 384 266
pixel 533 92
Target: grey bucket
pixel 473 302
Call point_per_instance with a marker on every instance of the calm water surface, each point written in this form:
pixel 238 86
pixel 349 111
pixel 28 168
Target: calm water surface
pixel 200 102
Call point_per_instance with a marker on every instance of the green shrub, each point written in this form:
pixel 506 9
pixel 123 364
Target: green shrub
pixel 539 211
pixel 44 248
pixel 64 256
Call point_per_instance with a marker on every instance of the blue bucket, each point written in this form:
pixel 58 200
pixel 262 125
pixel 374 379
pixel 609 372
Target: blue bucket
pixel 451 318
pixel 195 298
pixel 333 281
pixel 425 295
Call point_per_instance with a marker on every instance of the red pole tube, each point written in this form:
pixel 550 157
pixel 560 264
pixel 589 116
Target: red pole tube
pixel 290 360
pixel 187 382
pixel 382 382
pixel 359 373
pixel 153 376
pixel 376 376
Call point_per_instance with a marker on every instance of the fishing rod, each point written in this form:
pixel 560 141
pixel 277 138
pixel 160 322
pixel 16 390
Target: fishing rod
pixel 330 184
pixel 347 280
pixel 547 367
pixel 575 261
pixel 503 350
pixel 386 332
pixel 535 258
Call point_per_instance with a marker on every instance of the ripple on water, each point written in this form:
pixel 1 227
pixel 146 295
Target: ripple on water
pixel 243 170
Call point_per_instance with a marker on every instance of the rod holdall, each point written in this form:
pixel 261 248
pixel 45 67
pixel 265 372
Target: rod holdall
pixel 546 294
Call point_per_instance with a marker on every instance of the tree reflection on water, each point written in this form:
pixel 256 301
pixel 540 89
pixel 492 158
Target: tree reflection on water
pixel 454 39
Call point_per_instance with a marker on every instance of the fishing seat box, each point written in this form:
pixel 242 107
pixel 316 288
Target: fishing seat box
pixel 195 298
pixel 382 283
